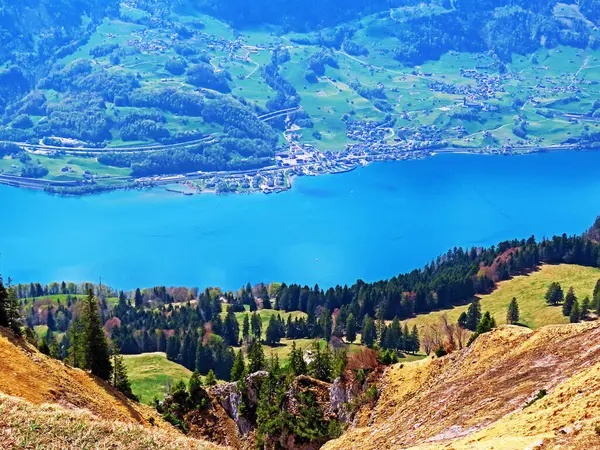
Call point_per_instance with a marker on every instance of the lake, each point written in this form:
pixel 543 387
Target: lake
pixel 372 223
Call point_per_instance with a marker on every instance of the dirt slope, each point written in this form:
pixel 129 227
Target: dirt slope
pixel 476 398
pixel 34 387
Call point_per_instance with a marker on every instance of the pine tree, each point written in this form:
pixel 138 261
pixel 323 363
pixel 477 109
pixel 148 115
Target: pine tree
pixel 321 364
pixel 4 322
pixel 196 394
pixel 138 299
pixel 272 336
pixel 574 315
pixel 162 341
pixel 204 358
pixel 256 326
pixel 474 315
pixel 415 343
pixel 585 308
pixel 97 354
pixel 368 334
pixel 232 328
pixel 325 324
pixel 246 328
pixel 351 328
pixel 554 294
pixel 239 367
pixel 210 379
pixel 486 324
pixel 463 320
pixel 119 378
pixel 512 313
pixel 570 300
pixel 297 362
pixel 12 311
pixel 173 348
pixel 256 358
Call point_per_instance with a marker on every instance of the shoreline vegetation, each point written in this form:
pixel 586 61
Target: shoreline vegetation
pixel 306 161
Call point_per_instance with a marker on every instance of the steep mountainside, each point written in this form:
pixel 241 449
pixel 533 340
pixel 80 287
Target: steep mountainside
pixel 47 404
pixel 481 397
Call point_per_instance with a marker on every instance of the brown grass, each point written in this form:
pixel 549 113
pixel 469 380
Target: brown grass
pixel 27 426
pixel 46 404
pixel 477 397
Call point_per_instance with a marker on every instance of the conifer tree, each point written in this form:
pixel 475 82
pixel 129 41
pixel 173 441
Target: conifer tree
pixel 512 313
pixel 12 311
pixel 196 394
pixel 239 367
pixel 211 379
pixel 574 315
pixel 570 300
pixel 368 334
pixel 3 305
pixel 585 308
pixel 415 343
pixel 256 326
pixel 351 328
pixel 97 354
pixel 272 335
pixel 172 348
pixel 256 358
pixel 232 328
pixel 554 294
pixel 162 342
pixel 204 358
pixel 138 299
pixel 320 366
pixel 474 315
pixel 246 328
pixel 486 324
pixel 297 362
pixel 119 378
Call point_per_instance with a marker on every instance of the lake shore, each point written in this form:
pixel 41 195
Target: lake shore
pixel 203 182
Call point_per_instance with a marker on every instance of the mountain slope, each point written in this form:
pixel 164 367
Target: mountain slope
pixel 477 398
pixel 24 425
pixel 48 404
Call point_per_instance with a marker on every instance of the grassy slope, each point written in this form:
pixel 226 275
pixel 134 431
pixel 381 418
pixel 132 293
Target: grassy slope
pixel 150 373
pixel 24 425
pixel 476 398
pixel 529 291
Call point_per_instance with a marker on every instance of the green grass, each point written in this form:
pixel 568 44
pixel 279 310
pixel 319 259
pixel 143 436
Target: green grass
pixel 529 291
pixel 151 374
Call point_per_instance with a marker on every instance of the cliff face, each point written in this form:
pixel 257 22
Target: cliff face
pixel 512 389
pixel 334 401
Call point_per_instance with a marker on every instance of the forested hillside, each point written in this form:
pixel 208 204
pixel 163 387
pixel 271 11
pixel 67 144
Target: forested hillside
pixel 217 86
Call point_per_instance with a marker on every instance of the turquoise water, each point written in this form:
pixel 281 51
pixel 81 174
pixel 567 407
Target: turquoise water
pixel 372 223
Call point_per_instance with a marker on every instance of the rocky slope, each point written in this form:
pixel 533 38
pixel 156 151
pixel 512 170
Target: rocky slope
pixel 484 397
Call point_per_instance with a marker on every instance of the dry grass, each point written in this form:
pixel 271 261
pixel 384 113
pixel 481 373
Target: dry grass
pixel 27 426
pixel 477 398
pixel 46 404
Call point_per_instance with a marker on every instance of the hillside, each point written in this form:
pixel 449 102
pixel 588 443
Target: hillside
pixel 477 397
pixel 55 400
pixel 529 290
pixel 216 86
pixel 24 425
